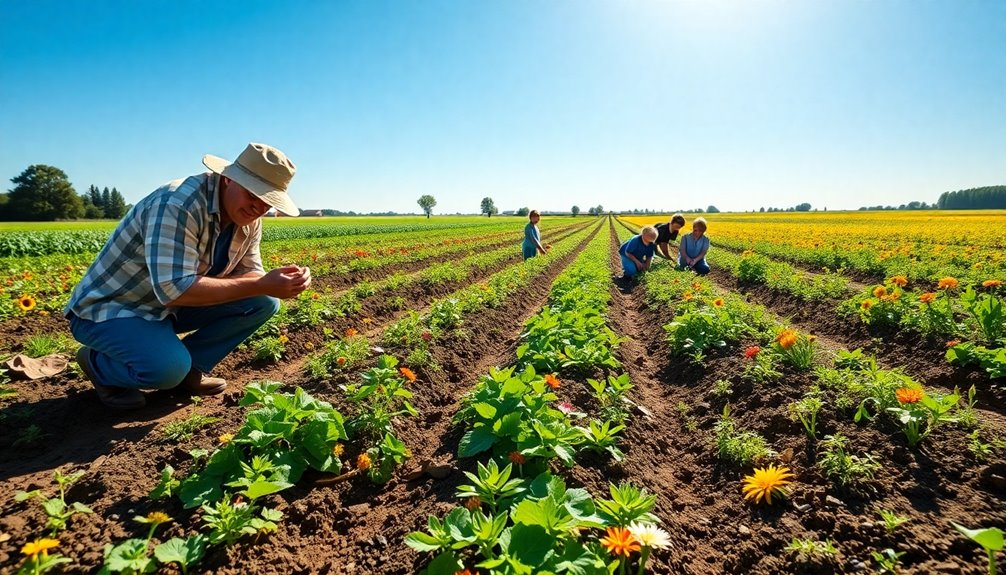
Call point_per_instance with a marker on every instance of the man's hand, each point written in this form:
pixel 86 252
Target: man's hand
pixel 286 282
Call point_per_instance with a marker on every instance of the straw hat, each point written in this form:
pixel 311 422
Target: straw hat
pixel 262 170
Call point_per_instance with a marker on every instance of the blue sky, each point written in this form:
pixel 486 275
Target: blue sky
pixel 540 103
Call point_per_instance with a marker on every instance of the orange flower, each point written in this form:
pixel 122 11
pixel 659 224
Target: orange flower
pixel 907 395
pixel 408 374
pixel 948 282
pixel 867 304
pixel 341 361
pixel 953 342
pixel 927 297
pixel 786 338
pixel 879 291
pixel 687 296
pixel 900 281
pixel 552 381
pixel 752 351
pixel 351 332
pixel 26 303
pixel 363 462
pixel 718 302
pixel 517 457
pixel 316 296
pixel 466 572
pixel 619 541
pixel 992 283
pixel 472 503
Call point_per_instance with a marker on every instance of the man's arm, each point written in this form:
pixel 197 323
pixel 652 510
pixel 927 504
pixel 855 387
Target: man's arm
pixel 662 247
pixel 283 283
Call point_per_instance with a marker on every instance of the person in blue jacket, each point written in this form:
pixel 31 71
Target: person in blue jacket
pixel 532 237
pixel 693 247
pixel 637 252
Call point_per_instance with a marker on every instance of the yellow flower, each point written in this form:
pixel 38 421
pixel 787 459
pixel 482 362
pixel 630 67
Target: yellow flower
pixel 948 282
pixel 337 449
pixel 308 345
pixel 26 303
pixel 367 320
pixel 158 517
pixel 867 304
pixel 766 482
pixel 718 302
pixel 284 338
pixel 37 546
pixel 879 291
pixel 363 462
pixel 786 338
pixel 225 438
pixel 900 281
pixel 619 541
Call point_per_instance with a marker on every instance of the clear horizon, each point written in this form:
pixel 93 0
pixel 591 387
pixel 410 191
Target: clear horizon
pixel 649 104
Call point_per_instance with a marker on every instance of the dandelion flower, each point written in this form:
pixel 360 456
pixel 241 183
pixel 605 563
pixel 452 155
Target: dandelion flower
pixel 363 462
pixel 786 338
pixel 408 374
pixel 718 302
pixel 992 283
pixel 26 303
pixel 337 449
pixel 517 457
pixel 284 338
pixel 308 345
pixel 552 381
pixel 900 281
pixel 351 332
pixel 927 297
pixel 766 482
pixel 225 438
pixel 867 304
pixel 37 546
pixel 340 361
pixel 879 291
pixel 948 282
pixel 752 352
pixel 908 395
pixel 619 541
pixel 650 536
pixel 156 517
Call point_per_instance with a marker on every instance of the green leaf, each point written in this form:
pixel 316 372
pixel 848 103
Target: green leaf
pixel 445 564
pixel 530 544
pixel 486 410
pixel 422 542
pixel 186 552
pixel 476 441
pixel 990 538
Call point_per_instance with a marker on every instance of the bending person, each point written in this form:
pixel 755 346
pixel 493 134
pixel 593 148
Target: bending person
pixel 668 232
pixel 637 252
pixel 693 248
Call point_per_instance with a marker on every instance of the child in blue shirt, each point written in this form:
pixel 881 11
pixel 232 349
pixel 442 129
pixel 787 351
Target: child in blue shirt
pixel 532 237
pixel 637 252
pixel 693 247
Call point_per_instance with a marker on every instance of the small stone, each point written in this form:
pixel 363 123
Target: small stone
pixel 947 567
pixel 857 565
pixel 743 530
pixel 829 500
pixel 803 508
pixel 381 541
pixel 866 525
pixel 644 411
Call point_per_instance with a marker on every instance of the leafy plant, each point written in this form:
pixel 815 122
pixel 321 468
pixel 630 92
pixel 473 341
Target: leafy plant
pixel 805 410
pixel 887 560
pixel 132 556
pixel 891 520
pixel 186 552
pixel 986 313
pixel 181 430
pixel 738 447
pixel 269 349
pixel 628 504
pixel 57 511
pixel 845 469
pixel 492 485
pixel 338 355
pixel 991 539
pixel 601 437
pixel 809 550
pixel 167 485
pixel 229 521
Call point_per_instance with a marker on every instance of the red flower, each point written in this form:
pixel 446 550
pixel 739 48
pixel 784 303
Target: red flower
pixel 752 351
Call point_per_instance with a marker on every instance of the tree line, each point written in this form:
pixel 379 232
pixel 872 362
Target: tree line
pixel 44 193
pixel 984 198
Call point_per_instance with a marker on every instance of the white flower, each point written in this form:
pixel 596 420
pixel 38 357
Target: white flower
pixel 650 536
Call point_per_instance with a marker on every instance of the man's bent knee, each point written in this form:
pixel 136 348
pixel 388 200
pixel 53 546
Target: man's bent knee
pixel 263 306
pixel 163 373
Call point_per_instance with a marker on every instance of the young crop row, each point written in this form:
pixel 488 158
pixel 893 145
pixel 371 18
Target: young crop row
pixel 521 518
pixel 847 389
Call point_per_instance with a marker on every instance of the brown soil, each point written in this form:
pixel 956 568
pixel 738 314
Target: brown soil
pixel 347 528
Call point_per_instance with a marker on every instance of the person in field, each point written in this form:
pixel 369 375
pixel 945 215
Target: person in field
pixel 184 259
pixel 668 232
pixel 693 247
pixel 637 252
pixel 532 237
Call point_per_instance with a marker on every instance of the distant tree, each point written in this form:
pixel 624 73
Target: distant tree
pixel 523 211
pixel 4 202
pixel 91 211
pixel 592 211
pixel 116 207
pixel 575 210
pixel 106 200
pixel 712 210
pixel 762 209
pixel 599 210
pixel 986 198
pixel 427 202
pixel 489 207
pixel 43 193
pixel 95 195
pixel 804 207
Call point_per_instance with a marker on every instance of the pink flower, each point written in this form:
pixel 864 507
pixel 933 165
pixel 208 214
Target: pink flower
pixel 566 407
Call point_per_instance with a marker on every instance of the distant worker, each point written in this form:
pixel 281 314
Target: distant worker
pixel 637 252
pixel 668 232
pixel 184 259
pixel 532 245
pixel 693 248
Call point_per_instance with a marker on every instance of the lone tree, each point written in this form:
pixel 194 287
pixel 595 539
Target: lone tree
pixel 488 207
pixel 43 193
pixel 599 210
pixel 427 202
pixel 575 210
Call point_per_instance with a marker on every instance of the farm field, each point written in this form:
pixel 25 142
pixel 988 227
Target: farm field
pixel 434 403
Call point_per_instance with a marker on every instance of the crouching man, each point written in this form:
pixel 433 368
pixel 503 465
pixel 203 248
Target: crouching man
pixel 184 259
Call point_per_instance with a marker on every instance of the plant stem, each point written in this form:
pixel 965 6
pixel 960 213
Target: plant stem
pixel 642 560
pixel 992 561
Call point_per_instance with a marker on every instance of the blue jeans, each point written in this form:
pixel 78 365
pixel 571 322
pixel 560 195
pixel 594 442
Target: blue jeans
pixel 700 267
pixel 141 354
pixel 628 267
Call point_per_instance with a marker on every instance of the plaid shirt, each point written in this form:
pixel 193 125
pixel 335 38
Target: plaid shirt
pixel 158 250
